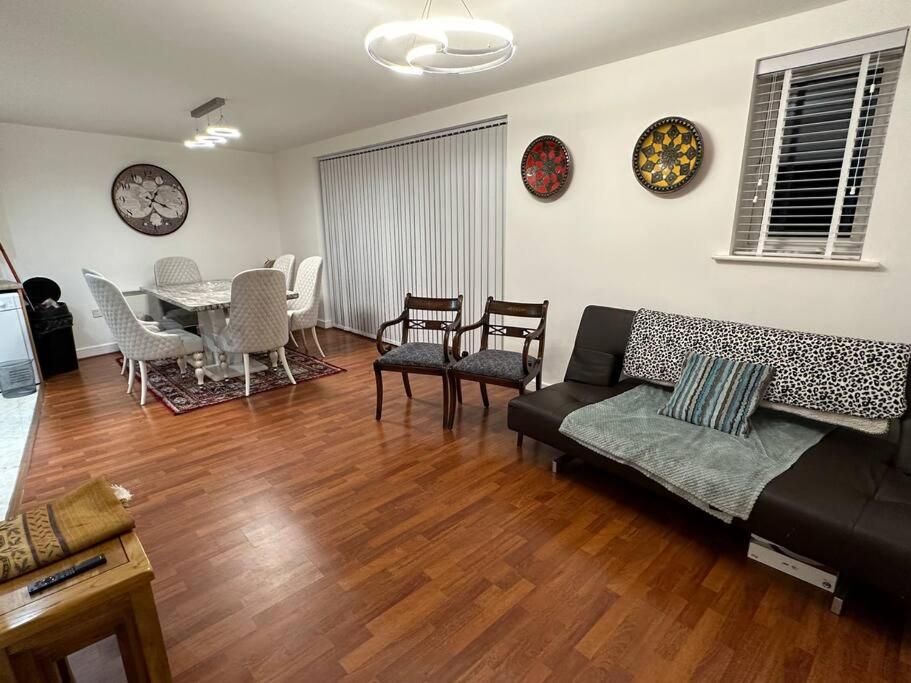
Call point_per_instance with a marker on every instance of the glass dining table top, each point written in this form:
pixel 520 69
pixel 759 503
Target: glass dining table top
pixel 198 296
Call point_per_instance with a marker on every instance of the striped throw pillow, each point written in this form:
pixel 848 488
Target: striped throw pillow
pixel 718 392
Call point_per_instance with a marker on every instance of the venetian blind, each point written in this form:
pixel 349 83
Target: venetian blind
pixel 816 136
pixel 424 215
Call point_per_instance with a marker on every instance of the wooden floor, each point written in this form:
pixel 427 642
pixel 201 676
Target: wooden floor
pixel 295 538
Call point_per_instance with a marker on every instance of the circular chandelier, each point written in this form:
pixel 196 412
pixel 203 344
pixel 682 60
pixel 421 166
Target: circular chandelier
pixel 440 45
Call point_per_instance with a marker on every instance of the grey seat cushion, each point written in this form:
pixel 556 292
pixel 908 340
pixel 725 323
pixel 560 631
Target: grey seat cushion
pixel 495 363
pixel 422 354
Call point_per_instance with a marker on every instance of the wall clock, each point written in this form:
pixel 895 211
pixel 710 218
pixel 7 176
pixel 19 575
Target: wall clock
pixel 149 199
pixel 668 154
pixel 546 167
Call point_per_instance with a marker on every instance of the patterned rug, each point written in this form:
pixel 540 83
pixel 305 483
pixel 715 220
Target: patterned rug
pixel 181 393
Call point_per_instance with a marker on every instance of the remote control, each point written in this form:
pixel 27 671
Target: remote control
pixel 64 574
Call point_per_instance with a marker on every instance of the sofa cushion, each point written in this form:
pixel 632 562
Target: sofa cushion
pixel 882 536
pixel 419 354
pixel 591 366
pixel 495 363
pixel 813 507
pixel 718 392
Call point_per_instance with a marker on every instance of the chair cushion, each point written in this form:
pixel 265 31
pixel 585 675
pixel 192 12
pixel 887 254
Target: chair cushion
pixel 495 363
pixel 191 343
pixel 422 354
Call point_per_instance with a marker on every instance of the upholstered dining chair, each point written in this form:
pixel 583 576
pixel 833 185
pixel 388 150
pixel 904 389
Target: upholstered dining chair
pixel 420 358
pixel 149 324
pixel 138 342
pixel 498 366
pixel 303 311
pixel 259 320
pixel 177 270
pixel 285 264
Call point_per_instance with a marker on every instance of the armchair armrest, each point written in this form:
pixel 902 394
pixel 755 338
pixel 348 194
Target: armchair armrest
pixel 537 334
pixel 449 329
pixel 382 346
pixel 457 340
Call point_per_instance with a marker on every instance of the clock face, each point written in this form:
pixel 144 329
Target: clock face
pixel 149 199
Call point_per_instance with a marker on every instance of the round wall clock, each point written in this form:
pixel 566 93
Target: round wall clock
pixel 546 167
pixel 149 199
pixel 668 154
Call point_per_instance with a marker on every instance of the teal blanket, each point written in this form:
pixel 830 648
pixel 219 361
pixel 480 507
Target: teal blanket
pixel 717 472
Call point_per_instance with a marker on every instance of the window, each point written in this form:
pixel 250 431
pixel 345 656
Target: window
pixel 817 128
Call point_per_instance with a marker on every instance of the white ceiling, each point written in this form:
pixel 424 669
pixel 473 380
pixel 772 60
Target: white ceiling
pixel 295 71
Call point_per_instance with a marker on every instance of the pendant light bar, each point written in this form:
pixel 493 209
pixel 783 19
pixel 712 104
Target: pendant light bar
pixel 215 134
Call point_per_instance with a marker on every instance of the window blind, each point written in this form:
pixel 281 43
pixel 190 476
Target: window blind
pixel 424 215
pixel 815 141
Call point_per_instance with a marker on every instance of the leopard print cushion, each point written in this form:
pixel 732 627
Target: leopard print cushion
pixel 842 375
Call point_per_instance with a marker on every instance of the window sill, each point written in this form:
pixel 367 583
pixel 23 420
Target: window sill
pixel 792 261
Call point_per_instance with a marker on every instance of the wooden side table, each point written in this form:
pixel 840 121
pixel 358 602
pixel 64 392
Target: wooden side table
pixel 37 633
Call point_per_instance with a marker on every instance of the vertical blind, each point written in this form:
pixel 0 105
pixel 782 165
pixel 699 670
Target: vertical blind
pixel 815 141
pixel 424 215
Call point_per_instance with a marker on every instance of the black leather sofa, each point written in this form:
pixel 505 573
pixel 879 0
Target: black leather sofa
pixel 846 502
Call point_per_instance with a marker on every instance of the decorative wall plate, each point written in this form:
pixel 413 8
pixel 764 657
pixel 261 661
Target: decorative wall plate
pixel 546 167
pixel 149 199
pixel 668 154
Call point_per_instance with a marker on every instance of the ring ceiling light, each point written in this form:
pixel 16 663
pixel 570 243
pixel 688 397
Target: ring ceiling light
pixel 443 45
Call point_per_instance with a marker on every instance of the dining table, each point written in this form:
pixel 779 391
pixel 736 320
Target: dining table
pixel 211 301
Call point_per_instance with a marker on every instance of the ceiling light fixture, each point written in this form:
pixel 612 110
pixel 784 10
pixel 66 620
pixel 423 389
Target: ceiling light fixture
pixel 442 45
pixel 217 134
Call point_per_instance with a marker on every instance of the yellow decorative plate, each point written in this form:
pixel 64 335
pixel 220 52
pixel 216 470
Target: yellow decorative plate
pixel 668 154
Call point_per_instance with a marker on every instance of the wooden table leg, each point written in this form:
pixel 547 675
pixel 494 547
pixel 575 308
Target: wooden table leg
pixel 145 618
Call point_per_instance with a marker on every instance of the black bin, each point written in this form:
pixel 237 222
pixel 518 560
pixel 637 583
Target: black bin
pixel 52 327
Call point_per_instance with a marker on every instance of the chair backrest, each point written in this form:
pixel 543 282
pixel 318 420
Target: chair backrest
pixel 285 264
pixel 513 309
pixel 176 270
pixel 259 311
pixel 423 303
pixel 308 285
pixel 134 340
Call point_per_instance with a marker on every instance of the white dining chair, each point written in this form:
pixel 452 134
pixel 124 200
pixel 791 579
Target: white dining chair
pixel 304 310
pixel 259 320
pixel 177 270
pixel 285 264
pixel 138 342
pixel 149 324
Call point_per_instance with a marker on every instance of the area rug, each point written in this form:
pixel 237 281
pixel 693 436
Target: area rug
pixel 181 393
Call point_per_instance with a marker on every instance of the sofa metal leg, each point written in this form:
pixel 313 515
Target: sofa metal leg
pixel 519 437
pixel 379 393
pixel 559 461
pixel 838 597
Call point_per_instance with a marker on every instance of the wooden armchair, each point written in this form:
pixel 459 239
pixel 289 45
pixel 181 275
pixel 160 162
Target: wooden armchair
pixel 495 366
pixel 420 358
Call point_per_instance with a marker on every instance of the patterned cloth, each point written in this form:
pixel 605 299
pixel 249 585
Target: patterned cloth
pixel 285 265
pixel 48 533
pixel 719 473
pixel 837 374
pixel 718 393
pixel 495 363
pixel 421 354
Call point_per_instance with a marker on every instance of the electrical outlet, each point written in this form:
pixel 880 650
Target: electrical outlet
pixel 96 313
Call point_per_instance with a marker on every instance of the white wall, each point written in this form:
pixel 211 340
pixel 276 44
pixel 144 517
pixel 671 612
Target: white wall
pixel 608 241
pixel 56 214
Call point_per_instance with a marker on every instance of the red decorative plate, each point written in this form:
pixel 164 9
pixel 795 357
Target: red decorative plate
pixel 546 167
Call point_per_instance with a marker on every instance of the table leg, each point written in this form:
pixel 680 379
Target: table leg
pixel 145 618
